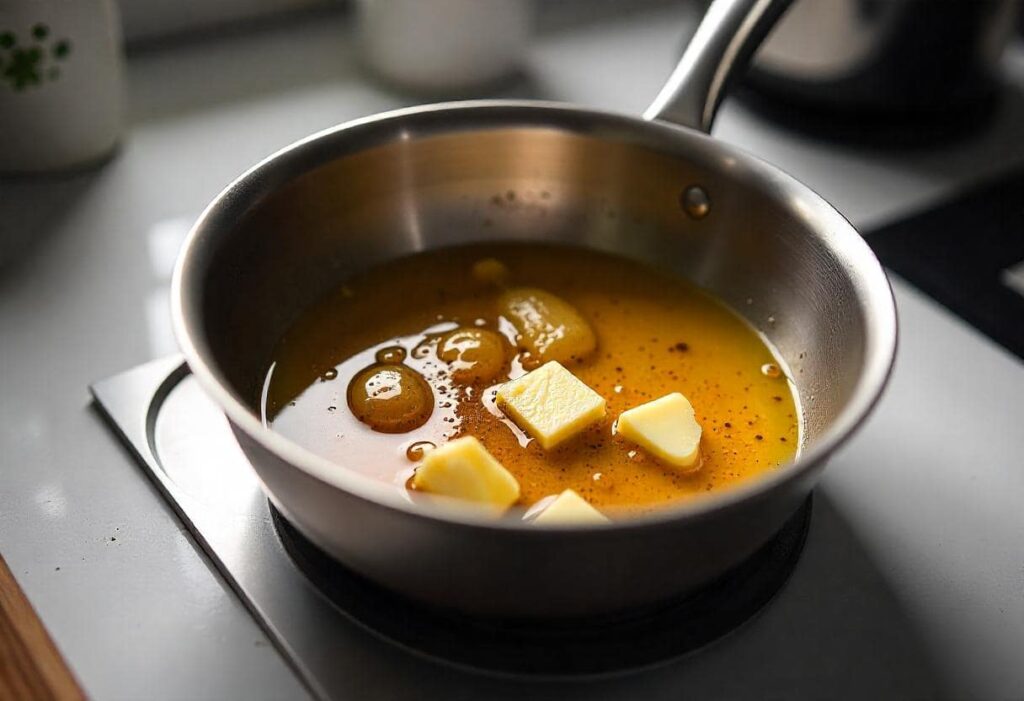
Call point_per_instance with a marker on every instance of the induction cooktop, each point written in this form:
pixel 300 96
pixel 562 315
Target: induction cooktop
pixel 317 612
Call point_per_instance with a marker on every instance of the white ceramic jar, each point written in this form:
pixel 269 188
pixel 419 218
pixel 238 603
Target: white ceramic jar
pixel 61 83
pixel 440 47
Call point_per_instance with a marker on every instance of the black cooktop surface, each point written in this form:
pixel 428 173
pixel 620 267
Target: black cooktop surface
pixel 591 646
pixel 967 254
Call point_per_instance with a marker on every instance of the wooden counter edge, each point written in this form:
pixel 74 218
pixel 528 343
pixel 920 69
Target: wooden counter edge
pixel 30 665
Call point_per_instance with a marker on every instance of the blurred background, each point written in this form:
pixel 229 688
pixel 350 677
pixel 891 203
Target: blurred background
pixel 120 119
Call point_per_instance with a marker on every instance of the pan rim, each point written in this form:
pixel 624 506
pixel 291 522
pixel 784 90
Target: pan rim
pixel 842 239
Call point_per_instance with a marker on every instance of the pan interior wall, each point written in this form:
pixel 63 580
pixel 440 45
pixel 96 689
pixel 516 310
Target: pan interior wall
pixel 752 249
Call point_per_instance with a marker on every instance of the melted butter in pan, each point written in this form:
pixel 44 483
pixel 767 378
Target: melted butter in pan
pixel 429 316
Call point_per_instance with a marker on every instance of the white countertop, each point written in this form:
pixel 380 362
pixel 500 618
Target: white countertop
pixel 926 499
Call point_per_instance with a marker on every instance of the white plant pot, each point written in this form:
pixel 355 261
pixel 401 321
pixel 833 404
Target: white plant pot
pixel 61 83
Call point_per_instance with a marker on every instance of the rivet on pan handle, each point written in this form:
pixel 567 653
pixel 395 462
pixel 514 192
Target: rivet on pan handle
pixel 721 47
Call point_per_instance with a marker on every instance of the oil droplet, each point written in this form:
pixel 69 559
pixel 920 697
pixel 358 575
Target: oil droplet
pixel 418 450
pixel 391 354
pixel 771 370
pixel 390 398
pixel 329 375
pixel 491 271
pixel 527 362
pixel 618 390
pixel 426 347
pixel 474 355
pixel 695 202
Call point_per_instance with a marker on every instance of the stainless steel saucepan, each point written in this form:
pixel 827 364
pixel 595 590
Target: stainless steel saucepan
pixel 293 226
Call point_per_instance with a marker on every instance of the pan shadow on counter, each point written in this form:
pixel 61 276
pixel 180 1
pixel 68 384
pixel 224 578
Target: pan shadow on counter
pixel 33 209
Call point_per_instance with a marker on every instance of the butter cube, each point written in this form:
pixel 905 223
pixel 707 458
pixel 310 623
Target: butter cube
pixel 551 404
pixel 666 428
pixel 465 470
pixel 569 507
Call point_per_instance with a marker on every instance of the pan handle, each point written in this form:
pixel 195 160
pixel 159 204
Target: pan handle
pixel 724 42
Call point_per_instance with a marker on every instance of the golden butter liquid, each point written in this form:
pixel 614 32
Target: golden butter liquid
pixel 656 334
